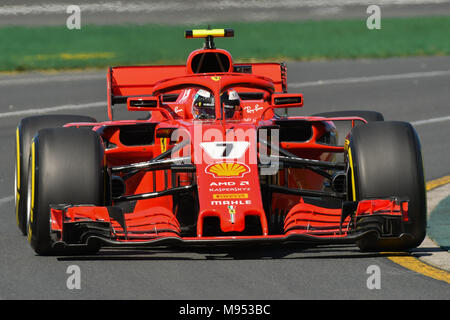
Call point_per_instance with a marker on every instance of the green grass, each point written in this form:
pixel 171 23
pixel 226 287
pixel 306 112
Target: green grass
pixel 23 48
pixel 439 224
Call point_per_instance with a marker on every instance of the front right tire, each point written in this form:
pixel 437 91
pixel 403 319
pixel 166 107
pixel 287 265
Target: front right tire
pixel 385 160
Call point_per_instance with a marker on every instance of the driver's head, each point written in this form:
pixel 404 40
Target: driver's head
pixel 230 102
pixel 203 105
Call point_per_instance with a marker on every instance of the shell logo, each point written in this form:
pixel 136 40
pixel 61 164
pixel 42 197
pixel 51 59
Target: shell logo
pixel 227 169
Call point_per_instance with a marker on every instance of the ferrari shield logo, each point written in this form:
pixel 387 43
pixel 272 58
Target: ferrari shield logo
pixel 232 212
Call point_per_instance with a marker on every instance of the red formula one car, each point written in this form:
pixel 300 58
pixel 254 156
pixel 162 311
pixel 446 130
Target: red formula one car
pixel 215 164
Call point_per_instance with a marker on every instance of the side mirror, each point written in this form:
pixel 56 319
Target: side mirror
pixel 287 100
pixel 142 103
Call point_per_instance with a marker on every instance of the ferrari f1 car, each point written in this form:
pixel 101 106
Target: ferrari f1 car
pixel 217 161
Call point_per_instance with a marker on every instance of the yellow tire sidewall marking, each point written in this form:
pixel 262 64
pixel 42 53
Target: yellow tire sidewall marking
pixel 350 160
pixel 33 178
pixel 17 191
pixel 33 175
pixel 18 158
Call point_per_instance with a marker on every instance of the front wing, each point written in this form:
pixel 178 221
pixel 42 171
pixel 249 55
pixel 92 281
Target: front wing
pixel 81 226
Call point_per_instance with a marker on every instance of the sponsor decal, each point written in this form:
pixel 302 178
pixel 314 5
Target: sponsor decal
pixel 216 78
pixel 230 196
pixel 229 189
pixel 230 202
pixel 232 212
pixel 178 110
pixel 251 109
pixel 229 186
pixel 227 169
pixel 228 183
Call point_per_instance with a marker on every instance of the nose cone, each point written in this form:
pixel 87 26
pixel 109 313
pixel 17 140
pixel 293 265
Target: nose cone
pixel 228 180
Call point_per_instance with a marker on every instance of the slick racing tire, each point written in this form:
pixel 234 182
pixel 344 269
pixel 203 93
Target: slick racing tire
pixel 26 130
pixel 66 166
pixel 385 161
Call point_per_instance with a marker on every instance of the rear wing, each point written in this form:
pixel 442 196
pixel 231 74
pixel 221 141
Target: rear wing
pixel 131 81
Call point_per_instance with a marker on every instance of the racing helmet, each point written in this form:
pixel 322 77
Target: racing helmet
pixel 230 101
pixel 203 105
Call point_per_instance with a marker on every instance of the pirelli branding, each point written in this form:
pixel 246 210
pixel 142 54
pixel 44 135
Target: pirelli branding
pixel 230 196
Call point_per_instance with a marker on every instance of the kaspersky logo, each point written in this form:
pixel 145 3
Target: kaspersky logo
pixel 227 169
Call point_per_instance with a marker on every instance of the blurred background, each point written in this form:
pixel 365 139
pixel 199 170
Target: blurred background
pixel 35 35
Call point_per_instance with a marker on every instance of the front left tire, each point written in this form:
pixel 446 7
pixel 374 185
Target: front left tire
pixel 67 166
pixel 27 128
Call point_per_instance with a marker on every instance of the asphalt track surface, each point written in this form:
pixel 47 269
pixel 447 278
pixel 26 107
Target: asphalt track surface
pixel 409 89
pixel 193 12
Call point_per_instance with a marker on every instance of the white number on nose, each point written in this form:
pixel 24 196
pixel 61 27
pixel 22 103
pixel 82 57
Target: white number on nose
pixel 225 149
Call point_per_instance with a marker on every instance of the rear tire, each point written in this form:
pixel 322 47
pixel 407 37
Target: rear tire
pixel 387 161
pixel 26 130
pixel 68 168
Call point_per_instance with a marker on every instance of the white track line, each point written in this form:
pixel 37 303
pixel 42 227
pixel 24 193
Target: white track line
pixel 164 6
pixel 6 200
pixel 99 76
pixel 53 109
pixel 56 78
pixel 103 104
pixel 432 120
pixel 401 76
pixel 385 77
